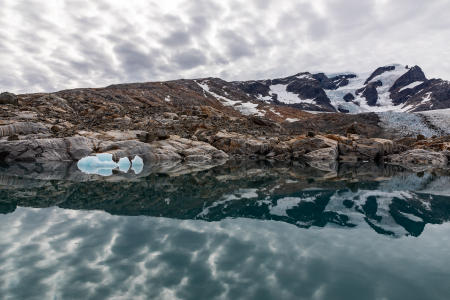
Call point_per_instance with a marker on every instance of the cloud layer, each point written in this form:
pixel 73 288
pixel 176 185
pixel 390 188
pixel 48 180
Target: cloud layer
pixel 53 45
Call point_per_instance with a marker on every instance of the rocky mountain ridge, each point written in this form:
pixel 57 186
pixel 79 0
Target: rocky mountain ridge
pixel 389 88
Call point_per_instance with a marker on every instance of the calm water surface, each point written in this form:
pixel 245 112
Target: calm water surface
pixel 238 231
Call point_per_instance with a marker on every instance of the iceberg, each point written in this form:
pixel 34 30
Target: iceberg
pixel 103 164
pixel 137 164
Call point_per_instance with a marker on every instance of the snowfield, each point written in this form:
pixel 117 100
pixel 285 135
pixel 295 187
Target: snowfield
pixel 384 101
pixel 287 97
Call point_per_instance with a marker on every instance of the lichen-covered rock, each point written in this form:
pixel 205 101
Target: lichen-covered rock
pixel 417 159
pixel 359 149
pixel 235 143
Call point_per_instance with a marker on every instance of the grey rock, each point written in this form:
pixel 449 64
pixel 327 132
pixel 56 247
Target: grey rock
pixel 8 98
pixel 419 159
pixel 22 128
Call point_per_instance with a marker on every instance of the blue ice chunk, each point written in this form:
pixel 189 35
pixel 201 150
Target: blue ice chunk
pixel 103 164
pixel 97 164
pixel 124 164
pixel 137 164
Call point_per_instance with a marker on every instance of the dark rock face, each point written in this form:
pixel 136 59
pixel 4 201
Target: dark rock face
pixel 255 88
pixel 414 74
pixel 310 89
pixel 343 110
pixel 8 98
pixel 333 82
pixel 432 94
pixel 370 92
pixel 305 85
pixel 349 97
pixel 324 81
pixel 379 71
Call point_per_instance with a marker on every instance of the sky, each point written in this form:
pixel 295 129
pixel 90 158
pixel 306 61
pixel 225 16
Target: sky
pixel 52 45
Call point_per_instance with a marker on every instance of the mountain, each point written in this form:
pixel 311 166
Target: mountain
pixel 389 88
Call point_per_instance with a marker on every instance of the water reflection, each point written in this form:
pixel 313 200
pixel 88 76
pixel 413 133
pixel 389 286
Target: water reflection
pixel 155 236
pixel 63 254
pixel 390 200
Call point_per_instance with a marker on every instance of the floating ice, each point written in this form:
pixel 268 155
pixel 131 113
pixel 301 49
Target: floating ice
pixel 103 164
pixel 137 164
pixel 124 164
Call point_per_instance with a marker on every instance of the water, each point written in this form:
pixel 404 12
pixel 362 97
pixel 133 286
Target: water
pixel 238 231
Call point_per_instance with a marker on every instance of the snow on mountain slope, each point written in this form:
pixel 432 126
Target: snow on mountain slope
pixel 389 88
pixel 287 97
pixel 245 108
pixel 411 85
pixel 357 86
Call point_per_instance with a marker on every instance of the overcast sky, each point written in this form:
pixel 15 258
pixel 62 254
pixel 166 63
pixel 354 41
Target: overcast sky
pixel 55 44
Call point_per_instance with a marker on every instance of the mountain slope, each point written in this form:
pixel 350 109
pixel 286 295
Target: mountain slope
pixel 389 88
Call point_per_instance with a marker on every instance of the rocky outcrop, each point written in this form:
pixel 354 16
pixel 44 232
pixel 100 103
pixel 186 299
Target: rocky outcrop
pixel 414 74
pixel 370 92
pixel 355 149
pixel 419 159
pixel 43 150
pixel 77 147
pixel 8 98
pixel 349 97
pixel 379 71
pixel 22 128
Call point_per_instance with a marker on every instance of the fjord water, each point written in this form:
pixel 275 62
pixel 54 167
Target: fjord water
pixel 237 231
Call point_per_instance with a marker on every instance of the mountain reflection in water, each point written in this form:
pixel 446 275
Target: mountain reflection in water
pixel 391 200
pixel 238 231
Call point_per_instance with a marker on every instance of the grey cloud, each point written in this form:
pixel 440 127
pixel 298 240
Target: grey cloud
pixel 189 59
pixel 177 38
pixel 236 46
pixel 98 43
pixel 132 59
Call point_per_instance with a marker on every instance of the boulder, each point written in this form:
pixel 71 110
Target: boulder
pixel 417 159
pixel 235 143
pixel 349 97
pixel 8 98
pixel 365 149
pixel 316 149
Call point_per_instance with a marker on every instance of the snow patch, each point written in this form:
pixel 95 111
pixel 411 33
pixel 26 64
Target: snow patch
pixel 426 98
pixel 292 120
pixel 287 97
pixel 245 108
pixel 411 85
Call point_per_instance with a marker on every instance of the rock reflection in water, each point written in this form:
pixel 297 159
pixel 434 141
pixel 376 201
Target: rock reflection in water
pixel 390 200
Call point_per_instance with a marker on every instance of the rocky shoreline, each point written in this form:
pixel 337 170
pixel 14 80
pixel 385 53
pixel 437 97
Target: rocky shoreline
pixel 47 127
